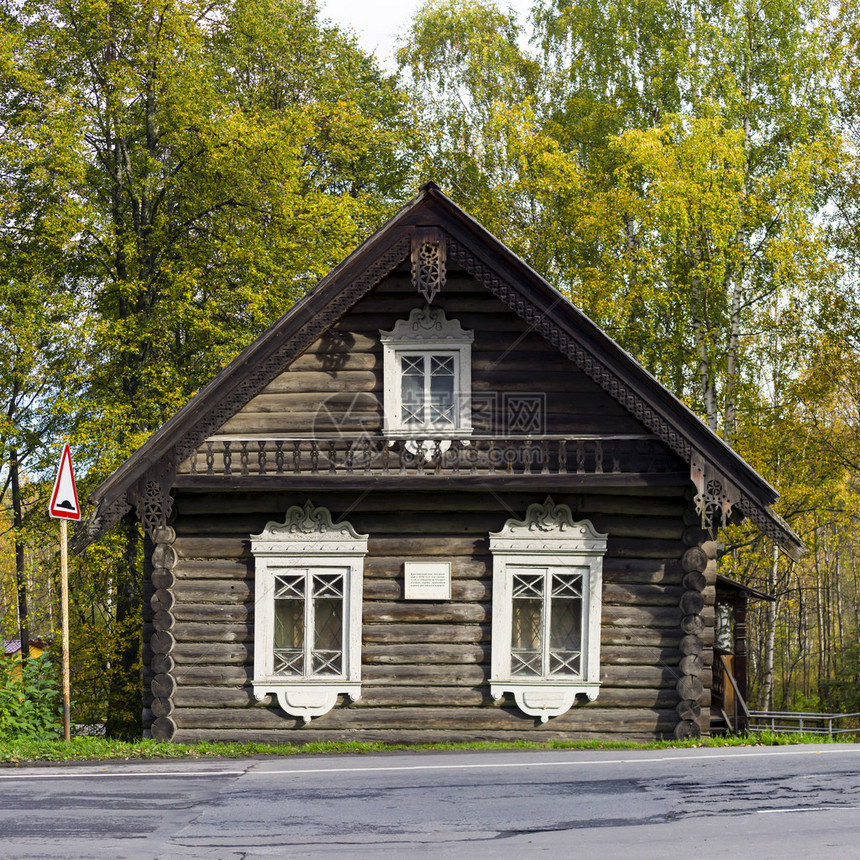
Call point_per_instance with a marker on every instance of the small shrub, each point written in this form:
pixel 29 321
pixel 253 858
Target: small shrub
pixel 30 700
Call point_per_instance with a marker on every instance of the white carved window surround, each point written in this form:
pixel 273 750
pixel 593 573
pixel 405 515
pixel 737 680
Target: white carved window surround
pixel 307 619
pixel 427 376
pixel 547 596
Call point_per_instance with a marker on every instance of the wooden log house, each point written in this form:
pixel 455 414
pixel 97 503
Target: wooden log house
pixel 432 502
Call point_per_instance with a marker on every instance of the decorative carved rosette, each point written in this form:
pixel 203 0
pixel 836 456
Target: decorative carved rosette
pixel 429 252
pixel 716 496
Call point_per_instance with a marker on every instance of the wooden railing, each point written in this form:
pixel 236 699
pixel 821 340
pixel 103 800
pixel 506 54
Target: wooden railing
pixel 476 455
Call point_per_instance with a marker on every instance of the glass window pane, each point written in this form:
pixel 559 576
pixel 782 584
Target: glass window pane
pixel 526 622
pixel 565 627
pixel 328 583
pixel 412 389
pixel 327 655
pixel 442 365
pixel 442 411
pixel 289 638
pixel 525 638
pixel 328 589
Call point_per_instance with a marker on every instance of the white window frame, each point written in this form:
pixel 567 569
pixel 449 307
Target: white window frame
pixel 547 538
pixel 427 332
pixel 307 539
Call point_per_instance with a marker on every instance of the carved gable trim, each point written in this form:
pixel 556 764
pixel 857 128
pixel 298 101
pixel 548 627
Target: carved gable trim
pixel 429 250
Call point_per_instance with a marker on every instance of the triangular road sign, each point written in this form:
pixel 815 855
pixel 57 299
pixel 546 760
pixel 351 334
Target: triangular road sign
pixel 64 499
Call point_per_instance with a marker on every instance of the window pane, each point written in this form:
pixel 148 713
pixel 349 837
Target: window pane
pixel 328 593
pixel 528 598
pixel 412 389
pixel 442 412
pixel 289 638
pixel 565 627
pixel 327 655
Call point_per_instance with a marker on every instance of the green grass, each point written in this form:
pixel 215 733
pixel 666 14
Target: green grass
pixel 22 751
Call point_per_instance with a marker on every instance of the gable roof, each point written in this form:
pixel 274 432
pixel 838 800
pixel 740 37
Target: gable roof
pixel 13 646
pixel 727 585
pixel 514 282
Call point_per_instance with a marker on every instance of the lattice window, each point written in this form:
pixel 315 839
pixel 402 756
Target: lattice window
pixel 546 621
pixel 427 365
pixel 307 623
pixel 428 390
pixel 547 580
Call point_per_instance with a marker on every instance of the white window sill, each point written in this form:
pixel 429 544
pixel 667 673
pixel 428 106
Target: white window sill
pixel 307 699
pixel 545 698
pixel 429 434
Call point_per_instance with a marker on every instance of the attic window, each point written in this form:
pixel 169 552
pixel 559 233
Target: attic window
pixel 427 376
pixel 547 583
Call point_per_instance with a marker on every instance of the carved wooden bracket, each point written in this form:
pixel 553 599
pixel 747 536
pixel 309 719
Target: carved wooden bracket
pixel 429 256
pixel 715 495
pixel 153 500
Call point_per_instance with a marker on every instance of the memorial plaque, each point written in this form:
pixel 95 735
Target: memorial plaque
pixel 427 580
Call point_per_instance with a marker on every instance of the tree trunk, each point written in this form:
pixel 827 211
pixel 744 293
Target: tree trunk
pixel 771 611
pixel 125 686
pixel 819 615
pixel 20 566
pixel 729 413
pixel 700 329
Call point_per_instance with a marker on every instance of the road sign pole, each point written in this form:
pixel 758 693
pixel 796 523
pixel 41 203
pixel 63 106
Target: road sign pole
pixel 64 600
pixel 65 506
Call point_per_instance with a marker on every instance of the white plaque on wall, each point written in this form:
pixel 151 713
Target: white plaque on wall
pixel 430 580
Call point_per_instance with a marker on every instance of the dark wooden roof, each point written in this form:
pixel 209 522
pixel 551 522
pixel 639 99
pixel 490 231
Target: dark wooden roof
pixel 725 584
pixel 515 283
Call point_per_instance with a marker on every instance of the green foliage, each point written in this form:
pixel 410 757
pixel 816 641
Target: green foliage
pixel 30 701
pixel 650 161
pixel 174 176
pixel 842 695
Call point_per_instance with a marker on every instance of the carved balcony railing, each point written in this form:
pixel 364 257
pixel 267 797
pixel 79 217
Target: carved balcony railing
pixel 486 456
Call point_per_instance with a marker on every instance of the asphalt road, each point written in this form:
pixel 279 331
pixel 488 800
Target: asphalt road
pixel 759 802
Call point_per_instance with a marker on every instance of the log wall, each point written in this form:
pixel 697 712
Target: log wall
pixel 336 385
pixel 425 666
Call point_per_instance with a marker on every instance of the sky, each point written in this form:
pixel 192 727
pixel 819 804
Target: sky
pixel 378 23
